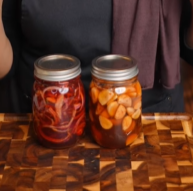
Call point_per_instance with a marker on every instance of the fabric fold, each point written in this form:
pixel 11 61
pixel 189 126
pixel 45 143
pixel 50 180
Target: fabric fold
pixel 149 32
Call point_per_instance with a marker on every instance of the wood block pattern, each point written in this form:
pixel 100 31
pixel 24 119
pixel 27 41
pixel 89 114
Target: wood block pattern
pixel 159 160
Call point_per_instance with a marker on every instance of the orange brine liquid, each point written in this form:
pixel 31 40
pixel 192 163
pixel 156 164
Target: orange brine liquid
pixel 115 112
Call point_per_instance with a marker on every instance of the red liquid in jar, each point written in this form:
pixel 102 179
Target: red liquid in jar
pixel 58 112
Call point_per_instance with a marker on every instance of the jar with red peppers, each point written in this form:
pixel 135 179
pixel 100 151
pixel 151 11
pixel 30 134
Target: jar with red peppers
pixel 58 101
pixel 115 101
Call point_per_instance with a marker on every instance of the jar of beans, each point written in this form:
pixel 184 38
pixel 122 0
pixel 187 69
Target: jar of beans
pixel 58 101
pixel 115 101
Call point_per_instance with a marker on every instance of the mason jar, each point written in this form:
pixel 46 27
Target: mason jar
pixel 115 101
pixel 58 101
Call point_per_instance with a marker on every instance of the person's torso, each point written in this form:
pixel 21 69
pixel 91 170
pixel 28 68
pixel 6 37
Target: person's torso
pixel 79 28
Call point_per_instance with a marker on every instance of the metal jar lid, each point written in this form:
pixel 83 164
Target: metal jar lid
pixel 114 67
pixel 59 67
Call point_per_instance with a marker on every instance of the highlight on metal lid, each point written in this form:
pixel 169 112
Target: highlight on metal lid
pixel 114 67
pixel 57 67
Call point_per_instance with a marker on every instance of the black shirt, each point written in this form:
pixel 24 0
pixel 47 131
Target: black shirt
pixel 79 28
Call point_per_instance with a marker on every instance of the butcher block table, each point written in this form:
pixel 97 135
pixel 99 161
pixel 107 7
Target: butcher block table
pixel 159 160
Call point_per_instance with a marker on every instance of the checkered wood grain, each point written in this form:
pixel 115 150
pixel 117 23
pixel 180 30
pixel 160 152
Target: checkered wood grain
pixel 159 160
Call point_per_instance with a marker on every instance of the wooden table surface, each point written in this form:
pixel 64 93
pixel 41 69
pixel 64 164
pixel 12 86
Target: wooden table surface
pixel 159 160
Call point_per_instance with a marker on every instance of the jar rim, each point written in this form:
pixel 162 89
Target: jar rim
pixel 114 67
pixel 57 67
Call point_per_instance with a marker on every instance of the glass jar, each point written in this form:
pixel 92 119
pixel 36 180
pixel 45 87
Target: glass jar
pixel 58 101
pixel 115 101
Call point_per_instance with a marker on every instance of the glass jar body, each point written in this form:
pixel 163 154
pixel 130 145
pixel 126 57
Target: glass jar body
pixel 115 111
pixel 58 112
